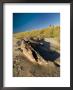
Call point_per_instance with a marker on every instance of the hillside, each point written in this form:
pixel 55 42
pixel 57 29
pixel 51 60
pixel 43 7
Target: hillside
pixel 22 67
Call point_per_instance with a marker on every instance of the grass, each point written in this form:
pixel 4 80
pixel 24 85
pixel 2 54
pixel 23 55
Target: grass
pixel 52 31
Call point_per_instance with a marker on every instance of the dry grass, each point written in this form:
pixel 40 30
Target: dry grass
pixel 53 32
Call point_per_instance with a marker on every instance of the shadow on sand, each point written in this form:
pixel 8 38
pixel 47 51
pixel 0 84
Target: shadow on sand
pixel 45 51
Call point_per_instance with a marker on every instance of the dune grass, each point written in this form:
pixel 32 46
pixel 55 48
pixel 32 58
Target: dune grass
pixel 51 31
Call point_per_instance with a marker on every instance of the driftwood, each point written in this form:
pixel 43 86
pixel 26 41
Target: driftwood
pixel 30 53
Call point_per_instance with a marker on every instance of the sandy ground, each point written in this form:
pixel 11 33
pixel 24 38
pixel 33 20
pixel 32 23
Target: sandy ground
pixel 22 67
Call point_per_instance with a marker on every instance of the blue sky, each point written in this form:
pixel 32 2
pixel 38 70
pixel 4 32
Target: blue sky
pixel 33 21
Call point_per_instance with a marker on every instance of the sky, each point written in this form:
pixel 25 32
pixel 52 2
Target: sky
pixel 34 21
